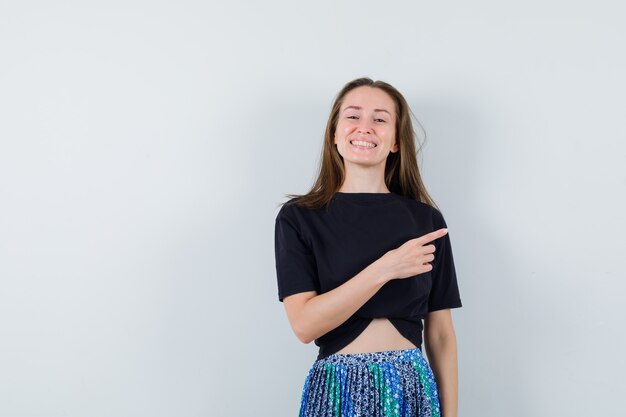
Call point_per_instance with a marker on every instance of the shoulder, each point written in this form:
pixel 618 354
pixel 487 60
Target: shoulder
pixel 290 206
pixel 437 217
pixel 420 207
pixel 291 211
pixel 425 211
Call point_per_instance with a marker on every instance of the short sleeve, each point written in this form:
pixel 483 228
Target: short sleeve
pixel 296 269
pixel 445 290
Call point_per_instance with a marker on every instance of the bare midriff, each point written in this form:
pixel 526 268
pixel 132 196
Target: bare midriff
pixel 378 336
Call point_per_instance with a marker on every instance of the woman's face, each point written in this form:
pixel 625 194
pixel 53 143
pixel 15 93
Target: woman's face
pixel 365 132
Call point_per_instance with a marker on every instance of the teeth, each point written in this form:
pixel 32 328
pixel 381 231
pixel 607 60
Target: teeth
pixel 360 143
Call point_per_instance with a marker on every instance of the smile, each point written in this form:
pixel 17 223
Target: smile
pixel 362 145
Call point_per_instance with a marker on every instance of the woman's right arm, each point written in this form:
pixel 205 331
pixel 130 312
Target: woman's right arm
pixel 312 315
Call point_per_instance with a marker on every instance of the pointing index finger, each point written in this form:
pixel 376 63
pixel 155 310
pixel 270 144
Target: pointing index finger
pixel 429 237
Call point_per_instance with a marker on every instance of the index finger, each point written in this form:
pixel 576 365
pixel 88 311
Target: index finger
pixel 429 237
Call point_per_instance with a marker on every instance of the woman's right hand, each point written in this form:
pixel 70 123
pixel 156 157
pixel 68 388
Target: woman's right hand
pixel 411 258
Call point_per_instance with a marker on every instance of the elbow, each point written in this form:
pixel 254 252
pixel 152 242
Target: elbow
pixel 439 342
pixel 302 334
pixel 439 337
pixel 298 316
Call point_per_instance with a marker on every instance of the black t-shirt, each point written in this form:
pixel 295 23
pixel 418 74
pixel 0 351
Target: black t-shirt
pixel 318 250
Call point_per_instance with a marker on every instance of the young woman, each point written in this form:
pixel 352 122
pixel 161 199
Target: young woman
pixel 361 260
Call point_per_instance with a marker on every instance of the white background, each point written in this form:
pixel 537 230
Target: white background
pixel 145 147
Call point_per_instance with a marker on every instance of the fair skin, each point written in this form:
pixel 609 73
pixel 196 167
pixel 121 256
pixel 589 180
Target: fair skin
pixel 368 114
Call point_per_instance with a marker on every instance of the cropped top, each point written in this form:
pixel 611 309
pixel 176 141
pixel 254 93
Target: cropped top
pixel 320 249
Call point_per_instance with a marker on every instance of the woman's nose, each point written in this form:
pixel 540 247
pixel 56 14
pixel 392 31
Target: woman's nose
pixel 364 127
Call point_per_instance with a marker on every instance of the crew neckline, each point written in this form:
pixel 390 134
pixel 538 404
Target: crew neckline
pixel 365 196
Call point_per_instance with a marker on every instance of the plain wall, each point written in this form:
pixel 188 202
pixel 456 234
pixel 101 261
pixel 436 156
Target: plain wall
pixel 145 147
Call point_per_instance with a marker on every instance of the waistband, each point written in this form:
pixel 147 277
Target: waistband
pixel 372 357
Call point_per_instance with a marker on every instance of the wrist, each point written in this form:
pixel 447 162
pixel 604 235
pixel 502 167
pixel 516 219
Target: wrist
pixel 380 273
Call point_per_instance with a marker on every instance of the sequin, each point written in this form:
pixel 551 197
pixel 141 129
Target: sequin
pixel 398 383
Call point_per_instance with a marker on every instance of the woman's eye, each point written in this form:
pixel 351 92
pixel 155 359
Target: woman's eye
pixel 356 117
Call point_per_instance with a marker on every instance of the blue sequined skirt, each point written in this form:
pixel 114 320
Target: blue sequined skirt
pixel 375 384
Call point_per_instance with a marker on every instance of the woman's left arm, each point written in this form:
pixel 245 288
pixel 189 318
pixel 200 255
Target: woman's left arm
pixel 440 344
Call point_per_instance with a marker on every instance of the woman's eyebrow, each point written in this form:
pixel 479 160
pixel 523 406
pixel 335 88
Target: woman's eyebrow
pixel 359 108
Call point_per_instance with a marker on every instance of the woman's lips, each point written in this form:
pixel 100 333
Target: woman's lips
pixel 364 147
